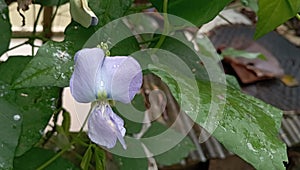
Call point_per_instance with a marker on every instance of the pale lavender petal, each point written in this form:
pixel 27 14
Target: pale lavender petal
pixel 104 128
pixel 83 81
pixel 123 78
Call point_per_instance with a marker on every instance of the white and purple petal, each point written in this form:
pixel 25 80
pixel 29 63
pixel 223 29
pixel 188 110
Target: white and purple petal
pixel 83 83
pixel 105 127
pixel 123 78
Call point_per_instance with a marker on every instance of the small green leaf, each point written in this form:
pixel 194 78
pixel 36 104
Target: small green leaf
pixel 85 162
pixel 100 158
pixel 61 139
pixel 66 123
pixel 174 155
pixel 5 27
pixel 197 12
pixel 35 157
pixel 230 52
pixel 273 13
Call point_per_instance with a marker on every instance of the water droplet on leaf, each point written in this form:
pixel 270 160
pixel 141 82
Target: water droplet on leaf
pixel 17 117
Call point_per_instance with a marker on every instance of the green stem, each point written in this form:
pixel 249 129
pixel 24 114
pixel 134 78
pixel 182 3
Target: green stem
pixel 166 25
pixel 17 46
pixel 298 16
pixel 68 146
pixel 54 157
pixel 55 12
pixel 34 27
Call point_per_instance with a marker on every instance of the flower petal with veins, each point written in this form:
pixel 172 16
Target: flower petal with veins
pixel 105 127
pixel 122 77
pixel 83 81
pixel 97 78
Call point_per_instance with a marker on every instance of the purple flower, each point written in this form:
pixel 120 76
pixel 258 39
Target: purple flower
pixel 97 78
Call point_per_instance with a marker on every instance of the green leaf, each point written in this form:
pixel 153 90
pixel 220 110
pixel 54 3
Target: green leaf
pixel 53 63
pixel 85 162
pixel 230 52
pixel 35 157
pixel 273 13
pixel 100 158
pixel 174 155
pixel 197 12
pixel 5 27
pixel 10 124
pixel 126 163
pixel 248 127
pixel 35 105
pixel 51 66
pixel 244 125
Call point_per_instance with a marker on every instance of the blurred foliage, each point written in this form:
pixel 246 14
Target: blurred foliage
pixel 31 88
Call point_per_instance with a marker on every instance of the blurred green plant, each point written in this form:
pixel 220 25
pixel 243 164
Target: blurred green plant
pixel 31 90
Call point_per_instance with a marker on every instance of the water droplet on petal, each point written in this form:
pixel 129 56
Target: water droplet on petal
pixel 17 117
pixel 102 83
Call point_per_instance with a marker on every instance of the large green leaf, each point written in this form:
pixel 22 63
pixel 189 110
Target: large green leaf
pixel 34 105
pixel 10 124
pixel 126 163
pixel 174 155
pixel 53 63
pixel 37 156
pixel 245 125
pixel 273 13
pixel 197 12
pixel 51 66
pixel 5 27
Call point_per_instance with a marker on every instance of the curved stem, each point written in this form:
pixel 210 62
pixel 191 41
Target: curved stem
pixel 54 157
pixel 35 25
pixel 55 12
pixel 166 25
pixel 298 16
pixel 19 45
pixel 68 146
